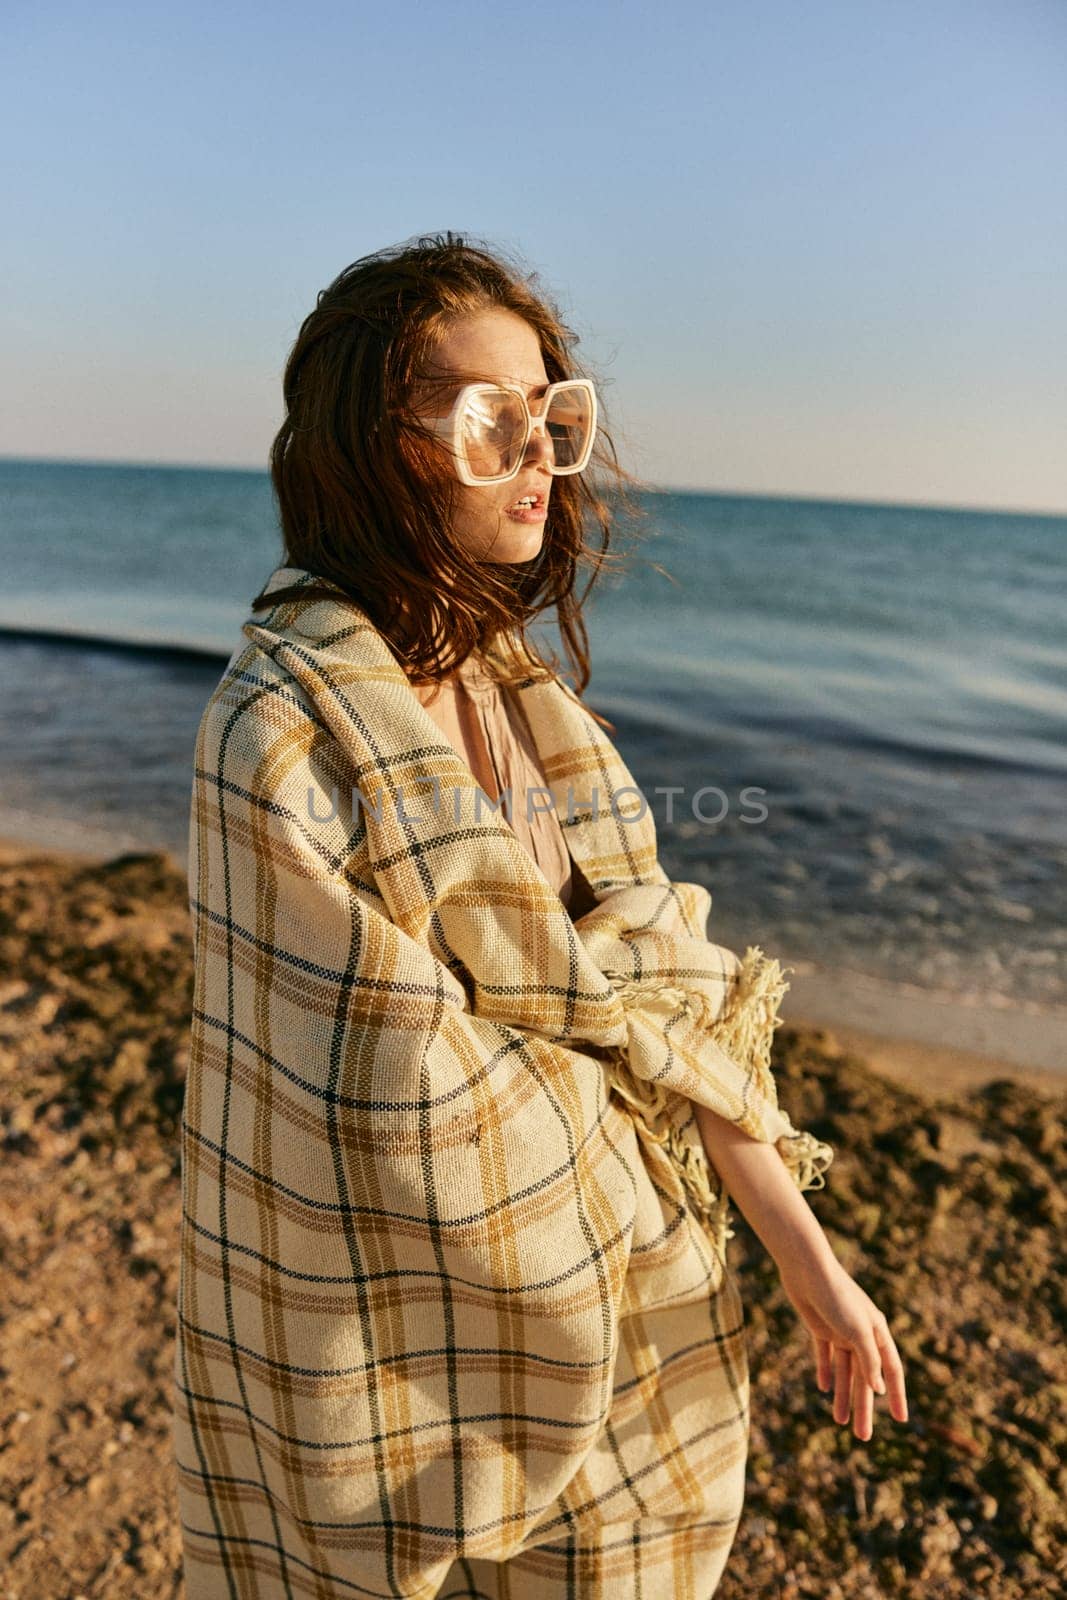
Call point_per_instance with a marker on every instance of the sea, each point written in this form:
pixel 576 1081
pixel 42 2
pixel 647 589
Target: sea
pixel 849 720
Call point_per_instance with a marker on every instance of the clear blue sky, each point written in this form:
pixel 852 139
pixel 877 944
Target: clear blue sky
pixel 813 248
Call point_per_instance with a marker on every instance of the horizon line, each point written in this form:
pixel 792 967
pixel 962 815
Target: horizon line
pixel 648 488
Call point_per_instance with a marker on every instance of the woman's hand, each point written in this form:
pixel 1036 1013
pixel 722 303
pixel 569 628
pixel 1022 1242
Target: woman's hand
pixel 854 1349
pixel 853 1346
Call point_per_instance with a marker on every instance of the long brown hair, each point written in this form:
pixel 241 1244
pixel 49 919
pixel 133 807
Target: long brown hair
pixel 365 500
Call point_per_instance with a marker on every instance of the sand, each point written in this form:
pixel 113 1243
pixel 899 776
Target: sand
pixel 945 1201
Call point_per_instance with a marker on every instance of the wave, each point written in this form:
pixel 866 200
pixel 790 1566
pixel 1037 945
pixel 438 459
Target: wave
pixel 672 715
pixel 158 649
pixel 755 724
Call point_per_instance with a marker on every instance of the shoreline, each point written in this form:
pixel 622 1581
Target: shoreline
pixel 905 1030
pixel 930 1042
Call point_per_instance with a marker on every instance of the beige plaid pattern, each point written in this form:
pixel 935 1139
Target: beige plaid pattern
pixel 453 1279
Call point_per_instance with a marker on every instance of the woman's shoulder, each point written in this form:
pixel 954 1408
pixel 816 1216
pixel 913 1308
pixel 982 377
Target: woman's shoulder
pixel 255 702
pixel 273 779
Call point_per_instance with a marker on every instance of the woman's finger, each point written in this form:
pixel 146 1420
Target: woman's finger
pixel 869 1358
pixel 843 1383
pixel 893 1368
pixel 824 1367
pixel 862 1403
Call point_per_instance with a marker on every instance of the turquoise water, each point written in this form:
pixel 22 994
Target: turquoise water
pixel 894 679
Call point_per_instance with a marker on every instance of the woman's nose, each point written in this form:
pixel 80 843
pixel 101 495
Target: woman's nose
pixel 540 447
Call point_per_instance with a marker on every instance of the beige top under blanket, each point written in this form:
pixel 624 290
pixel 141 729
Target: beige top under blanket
pixel 484 722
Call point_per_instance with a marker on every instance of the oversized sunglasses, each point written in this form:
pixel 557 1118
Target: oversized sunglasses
pixel 490 426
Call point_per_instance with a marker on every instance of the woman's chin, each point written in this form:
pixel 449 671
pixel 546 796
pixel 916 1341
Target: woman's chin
pixel 515 543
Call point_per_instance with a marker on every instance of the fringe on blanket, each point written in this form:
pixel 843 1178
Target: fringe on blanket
pixel 744 1029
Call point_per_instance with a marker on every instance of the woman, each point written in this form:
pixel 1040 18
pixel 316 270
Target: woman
pixel 469 1086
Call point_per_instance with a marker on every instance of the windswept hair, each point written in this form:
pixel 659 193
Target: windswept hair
pixel 366 500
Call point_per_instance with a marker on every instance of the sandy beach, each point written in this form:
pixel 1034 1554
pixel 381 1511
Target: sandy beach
pixel 945 1200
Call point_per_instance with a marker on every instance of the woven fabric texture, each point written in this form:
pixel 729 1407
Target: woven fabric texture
pixel 453 1279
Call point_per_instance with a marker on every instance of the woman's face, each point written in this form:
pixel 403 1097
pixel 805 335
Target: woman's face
pixel 497 346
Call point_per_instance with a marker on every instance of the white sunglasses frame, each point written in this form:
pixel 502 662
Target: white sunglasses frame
pixel 447 428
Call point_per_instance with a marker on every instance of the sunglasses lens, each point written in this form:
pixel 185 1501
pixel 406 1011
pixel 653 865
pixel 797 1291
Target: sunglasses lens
pixel 493 426
pixel 569 424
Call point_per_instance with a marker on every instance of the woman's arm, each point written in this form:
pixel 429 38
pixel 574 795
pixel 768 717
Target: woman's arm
pixel 851 1337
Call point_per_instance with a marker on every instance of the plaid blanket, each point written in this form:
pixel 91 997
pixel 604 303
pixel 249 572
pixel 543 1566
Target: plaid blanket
pixel 439 1157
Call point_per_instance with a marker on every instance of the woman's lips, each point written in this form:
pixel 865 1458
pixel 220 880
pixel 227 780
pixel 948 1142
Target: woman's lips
pixel 529 514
